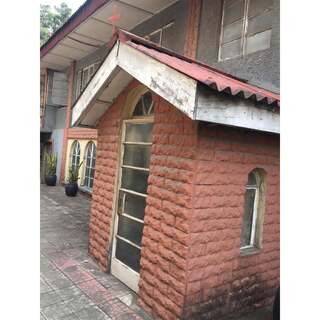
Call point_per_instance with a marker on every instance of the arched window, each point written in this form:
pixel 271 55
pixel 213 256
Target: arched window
pixel 253 211
pixel 90 160
pixel 75 154
pixel 144 107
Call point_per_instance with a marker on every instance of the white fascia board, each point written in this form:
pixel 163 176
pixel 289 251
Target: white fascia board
pixel 98 81
pixel 171 85
pixel 234 111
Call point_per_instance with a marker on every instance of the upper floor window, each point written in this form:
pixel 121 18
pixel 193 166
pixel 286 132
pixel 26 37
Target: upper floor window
pixel 253 211
pixel 158 35
pixel 90 160
pixel 75 155
pixel 245 28
pixel 83 77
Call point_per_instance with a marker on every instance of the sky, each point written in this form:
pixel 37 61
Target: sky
pixel 73 4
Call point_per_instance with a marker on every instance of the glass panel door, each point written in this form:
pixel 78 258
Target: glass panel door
pixel 132 193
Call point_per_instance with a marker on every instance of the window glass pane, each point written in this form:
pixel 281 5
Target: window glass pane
pixel 233 12
pixel 232 31
pixel 259 41
pixel 258 6
pixel 260 23
pixel 136 180
pixel 85 77
pixel 155 37
pixel 136 155
pixel 90 183
pixel 138 110
pixel 168 35
pixel 247 218
pixel 230 50
pixel 133 205
pixel 130 230
pixel 138 132
pixel 252 181
pixel 128 254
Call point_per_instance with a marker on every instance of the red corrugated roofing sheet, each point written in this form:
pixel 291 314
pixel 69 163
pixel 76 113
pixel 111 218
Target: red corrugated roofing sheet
pixel 207 75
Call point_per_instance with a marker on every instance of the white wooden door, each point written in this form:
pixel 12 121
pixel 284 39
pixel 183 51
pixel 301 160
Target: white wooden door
pixel 131 201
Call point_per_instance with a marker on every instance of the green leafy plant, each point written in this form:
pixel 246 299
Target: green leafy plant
pixel 73 176
pixel 51 164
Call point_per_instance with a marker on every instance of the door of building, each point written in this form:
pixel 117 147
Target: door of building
pixel 131 200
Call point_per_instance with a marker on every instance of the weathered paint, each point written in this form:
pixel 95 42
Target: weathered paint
pixel 233 111
pixel 97 82
pixel 169 84
pixel 175 79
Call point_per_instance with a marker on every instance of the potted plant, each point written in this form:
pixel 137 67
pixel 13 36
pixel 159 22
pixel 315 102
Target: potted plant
pixel 71 187
pixel 51 166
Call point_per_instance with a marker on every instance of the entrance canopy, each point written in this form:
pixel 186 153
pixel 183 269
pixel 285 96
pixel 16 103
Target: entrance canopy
pixel 201 92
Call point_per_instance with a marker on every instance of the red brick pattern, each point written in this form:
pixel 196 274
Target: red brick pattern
pixel 82 133
pixel 220 281
pixel 104 183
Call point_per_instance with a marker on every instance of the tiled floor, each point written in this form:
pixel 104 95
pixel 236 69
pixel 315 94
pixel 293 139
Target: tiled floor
pixel 71 285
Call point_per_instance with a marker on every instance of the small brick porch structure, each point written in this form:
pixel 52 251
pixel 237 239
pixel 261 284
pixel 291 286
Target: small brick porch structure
pixel 191 267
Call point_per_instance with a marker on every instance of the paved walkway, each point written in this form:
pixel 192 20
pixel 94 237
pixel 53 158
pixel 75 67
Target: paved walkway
pixel 72 287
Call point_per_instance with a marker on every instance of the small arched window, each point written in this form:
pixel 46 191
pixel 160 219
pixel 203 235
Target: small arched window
pixel 75 155
pixel 145 106
pixel 90 160
pixel 253 211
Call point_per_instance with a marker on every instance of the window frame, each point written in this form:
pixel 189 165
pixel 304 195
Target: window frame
pixel 258 213
pixel 91 168
pixel 80 85
pixel 170 24
pixel 244 31
pixel 73 155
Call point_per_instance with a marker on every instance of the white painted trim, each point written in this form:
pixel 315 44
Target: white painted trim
pixel 171 85
pixel 223 109
pixel 97 82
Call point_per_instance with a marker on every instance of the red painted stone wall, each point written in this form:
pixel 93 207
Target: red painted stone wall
pixel 165 241
pixel 191 266
pixel 220 281
pixel 104 185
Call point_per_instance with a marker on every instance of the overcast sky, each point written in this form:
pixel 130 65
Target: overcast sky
pixel 73 4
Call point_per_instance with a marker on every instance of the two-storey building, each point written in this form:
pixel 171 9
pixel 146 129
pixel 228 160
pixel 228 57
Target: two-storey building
pixel 177 122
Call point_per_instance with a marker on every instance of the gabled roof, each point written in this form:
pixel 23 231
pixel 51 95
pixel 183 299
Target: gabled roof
pixel 198 90
pixel 212 77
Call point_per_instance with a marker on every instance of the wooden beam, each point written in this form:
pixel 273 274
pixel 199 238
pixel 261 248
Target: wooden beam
pixel 193 22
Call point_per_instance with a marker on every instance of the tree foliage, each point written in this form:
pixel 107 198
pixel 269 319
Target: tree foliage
pixel 52 19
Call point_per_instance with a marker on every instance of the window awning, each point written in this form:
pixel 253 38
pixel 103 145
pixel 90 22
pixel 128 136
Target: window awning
pixel 200 91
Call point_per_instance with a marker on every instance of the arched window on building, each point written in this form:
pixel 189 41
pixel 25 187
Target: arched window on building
pixel 251 232
pixel 75 154
pixel 90 162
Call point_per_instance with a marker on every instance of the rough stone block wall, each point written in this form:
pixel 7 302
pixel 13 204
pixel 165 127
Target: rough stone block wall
pixel 104 185
pixel 191 266
pixel 165 241
pixel 220 281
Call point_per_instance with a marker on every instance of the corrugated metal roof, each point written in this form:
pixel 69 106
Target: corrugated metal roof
pixel 212 77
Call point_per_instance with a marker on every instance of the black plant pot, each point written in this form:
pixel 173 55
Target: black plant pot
pixel 51 180
pixel 71 189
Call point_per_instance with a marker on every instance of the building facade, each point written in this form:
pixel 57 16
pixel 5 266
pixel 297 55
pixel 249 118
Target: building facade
pixel 180 147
